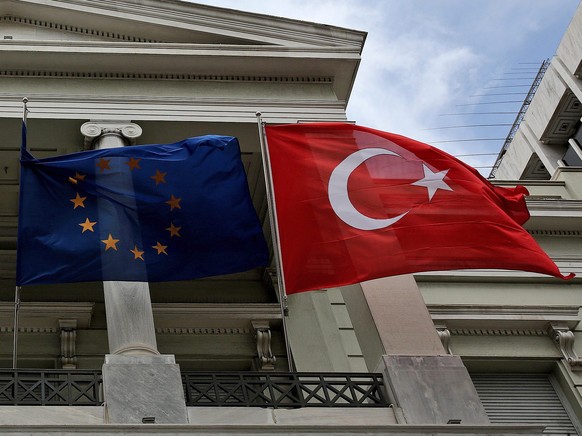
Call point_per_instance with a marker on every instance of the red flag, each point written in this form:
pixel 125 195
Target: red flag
pixel 354 204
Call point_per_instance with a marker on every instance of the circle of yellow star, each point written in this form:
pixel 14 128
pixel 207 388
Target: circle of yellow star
pixel 137 254
pixel 161 248
pixel 110 243
pixel 159 177
pixel 103 164
pixel 174 203
pixel 133 163
pixel 78 201
pixel 174 230
pixel 88 225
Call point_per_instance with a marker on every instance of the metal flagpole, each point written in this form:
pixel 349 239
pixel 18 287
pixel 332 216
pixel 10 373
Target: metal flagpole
pixel 18 288
pixel 274 235
pixel 15 334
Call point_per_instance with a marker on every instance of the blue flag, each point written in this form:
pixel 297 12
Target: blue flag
pixel 144 213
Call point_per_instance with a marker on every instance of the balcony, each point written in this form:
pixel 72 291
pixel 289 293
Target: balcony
pixel 31 387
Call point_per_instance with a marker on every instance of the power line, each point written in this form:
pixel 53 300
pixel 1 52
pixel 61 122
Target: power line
pixel 490 102
pixel 505 93
pixel 509 86
pixel 521 73
pixel 468 125
pixel 475 154
pixel 480 113
pixel 467 140
pixel 515 78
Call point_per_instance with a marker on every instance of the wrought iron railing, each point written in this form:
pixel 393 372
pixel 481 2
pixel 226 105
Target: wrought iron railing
pixel 50 388
pixel 284 389
pixel 21 387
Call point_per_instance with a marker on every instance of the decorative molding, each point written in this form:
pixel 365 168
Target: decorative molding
pixel 95 129
pixel 445 336
pixel 563 123
pixel 73 29
pixel 203 331
pixel 497 320
pixel 44 317
pixel 266 359
pixel 153 76
pixel 564 339
pixel 179 17
pixel 571 233
pixel 497 332
pixel 212 318
pixel 68 343
pixel 29 329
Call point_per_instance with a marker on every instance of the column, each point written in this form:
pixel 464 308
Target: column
pixel 139 384
pixel 425 383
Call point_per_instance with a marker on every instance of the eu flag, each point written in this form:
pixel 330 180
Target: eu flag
pixel 144 213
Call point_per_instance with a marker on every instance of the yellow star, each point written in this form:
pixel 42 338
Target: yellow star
pixel 110 242
pixel 159 177
pixel 137 254
pixel 133 163
pixel 78 177
pixel 174 231
pixel 78 201
pixel 161 248
pixel 103 164
pixel 88 225
pixel 174 202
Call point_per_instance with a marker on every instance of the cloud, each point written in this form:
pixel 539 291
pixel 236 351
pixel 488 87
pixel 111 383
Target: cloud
pixel 425 58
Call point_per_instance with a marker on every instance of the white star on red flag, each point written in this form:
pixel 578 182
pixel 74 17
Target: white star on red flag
pixel 433 181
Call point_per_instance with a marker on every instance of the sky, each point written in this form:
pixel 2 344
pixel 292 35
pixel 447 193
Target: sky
pixel 426 59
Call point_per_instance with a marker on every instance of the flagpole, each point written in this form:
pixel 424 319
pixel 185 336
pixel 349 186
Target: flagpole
pixel 24 121
pixel 274 235
pixel 18 288
pixel 15 333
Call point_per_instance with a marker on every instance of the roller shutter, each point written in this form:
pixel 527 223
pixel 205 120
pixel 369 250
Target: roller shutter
pixel 524 399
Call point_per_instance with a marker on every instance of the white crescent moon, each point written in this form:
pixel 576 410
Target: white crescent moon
pixel 338 192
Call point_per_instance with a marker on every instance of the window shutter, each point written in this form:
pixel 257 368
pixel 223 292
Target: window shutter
pixel 523 399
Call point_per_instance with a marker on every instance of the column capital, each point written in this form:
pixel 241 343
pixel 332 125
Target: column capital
pixel 125 129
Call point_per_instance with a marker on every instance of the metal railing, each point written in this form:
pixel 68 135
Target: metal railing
pixel 50 387
pixel 20 387
pixel 284 389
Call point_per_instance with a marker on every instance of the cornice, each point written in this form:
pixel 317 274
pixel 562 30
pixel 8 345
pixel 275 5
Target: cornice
pixel 554 206
pixel 210 318
pixel 503 320
pixel 44 317
pixel 152 76
pixel 175 48
pixel 188 17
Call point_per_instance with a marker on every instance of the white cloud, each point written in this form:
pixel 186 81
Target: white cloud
pixel 423 58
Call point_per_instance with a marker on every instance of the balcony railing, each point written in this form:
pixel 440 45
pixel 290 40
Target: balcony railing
pixel 233 389
pixel 50 388
pixel 284 389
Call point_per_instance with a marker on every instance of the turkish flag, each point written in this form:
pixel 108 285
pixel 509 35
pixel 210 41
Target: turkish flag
pixel 354 204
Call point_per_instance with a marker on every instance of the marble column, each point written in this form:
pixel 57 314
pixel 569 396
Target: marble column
pixel 130 320
pixel 139 384
pixel 425 384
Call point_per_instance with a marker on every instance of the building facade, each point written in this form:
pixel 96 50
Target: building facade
pixel 462 352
